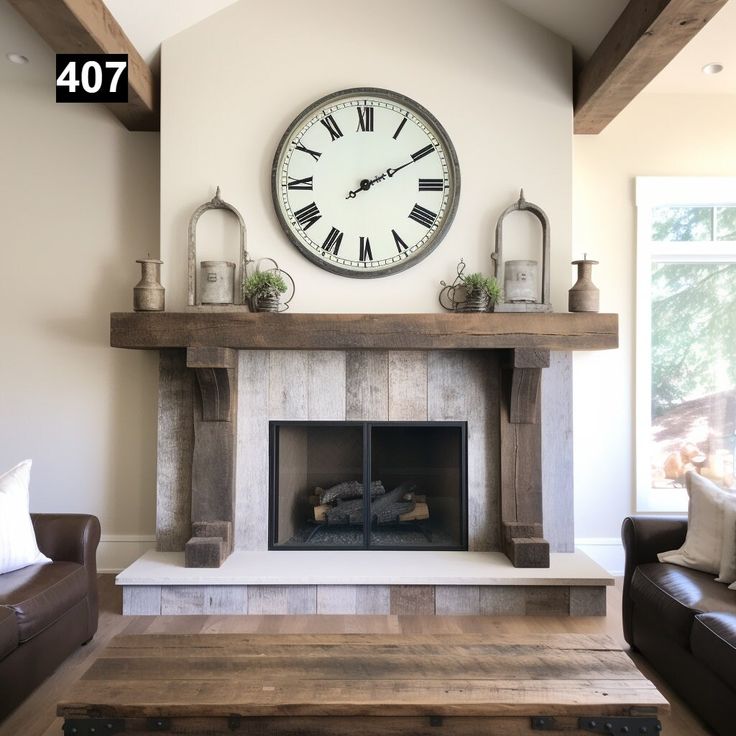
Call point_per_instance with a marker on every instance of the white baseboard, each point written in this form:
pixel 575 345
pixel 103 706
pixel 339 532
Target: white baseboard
pixel 608 552
pixel 118 551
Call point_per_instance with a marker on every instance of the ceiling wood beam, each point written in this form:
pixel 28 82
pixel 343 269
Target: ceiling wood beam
pixel 646 37
pixel 88 27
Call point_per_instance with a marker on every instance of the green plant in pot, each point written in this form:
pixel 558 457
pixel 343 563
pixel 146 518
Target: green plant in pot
pixel 482 293
pixel 264 290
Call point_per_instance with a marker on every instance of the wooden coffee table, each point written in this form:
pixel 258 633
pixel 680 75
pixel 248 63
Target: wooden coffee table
pixel 362 685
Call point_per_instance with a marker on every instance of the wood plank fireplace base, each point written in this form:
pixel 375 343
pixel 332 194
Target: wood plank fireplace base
pixel 365 583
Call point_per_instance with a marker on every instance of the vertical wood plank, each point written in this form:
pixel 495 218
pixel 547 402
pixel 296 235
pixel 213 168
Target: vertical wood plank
pixel 141 600
pixel 326 385
pixel 367 385
pixel 373 600
pixel 588 600
pixel 457 600
pixel 407 386
pixel 251 455
pixel 557 453
pixel 282 599
pixel 411 600
pixel 336 599
pixel 288 391
pixel 502 600
pixel 464 386
pixel 203 600
pixel 174 451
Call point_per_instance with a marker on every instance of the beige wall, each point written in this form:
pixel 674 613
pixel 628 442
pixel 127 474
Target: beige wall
pixel 657 135
pixel 78 204
pixel 499 84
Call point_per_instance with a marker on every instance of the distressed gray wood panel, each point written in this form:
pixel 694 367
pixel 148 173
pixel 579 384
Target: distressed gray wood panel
pixel 282 599
pixel 336 599
pixel 326 385
pixel 457 600
pixel 208 600
pixel 174 451
pixel 411 600
pixel 523 600
pixel 373 599
pixel 588 600
pixel 557 453
pixel 141 600
pixel 251 454
pixel 367 385
pixel 288 387
pixel 464 386
pixel 407 386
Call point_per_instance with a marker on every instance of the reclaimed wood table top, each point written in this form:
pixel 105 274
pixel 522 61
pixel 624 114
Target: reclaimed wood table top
pixel 348 675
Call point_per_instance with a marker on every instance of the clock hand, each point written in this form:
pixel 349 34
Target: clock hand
pixel 416 156
pixel 391 172
pixel 365 185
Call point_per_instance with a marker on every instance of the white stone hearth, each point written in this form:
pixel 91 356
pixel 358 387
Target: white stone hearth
pixel 365 582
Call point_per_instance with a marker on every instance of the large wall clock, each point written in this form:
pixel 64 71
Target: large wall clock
pixel 365 182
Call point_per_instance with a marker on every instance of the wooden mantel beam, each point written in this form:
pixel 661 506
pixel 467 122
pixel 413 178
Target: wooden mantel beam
pixel 646 37
pixel 88 27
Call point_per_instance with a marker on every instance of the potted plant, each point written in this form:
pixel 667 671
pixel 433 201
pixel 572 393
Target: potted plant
pixel 482 293
pixel 264 290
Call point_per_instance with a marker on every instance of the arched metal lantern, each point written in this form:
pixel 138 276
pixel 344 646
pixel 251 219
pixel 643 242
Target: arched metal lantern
pixel 519 277
pixel 194 294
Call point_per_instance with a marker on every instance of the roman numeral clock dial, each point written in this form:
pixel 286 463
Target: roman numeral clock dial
pixel 365 182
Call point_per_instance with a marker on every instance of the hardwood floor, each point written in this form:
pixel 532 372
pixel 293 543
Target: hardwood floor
pixel 37 715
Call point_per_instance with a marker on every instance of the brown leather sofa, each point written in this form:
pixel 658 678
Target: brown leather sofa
pixel 47 611
pixel 681 620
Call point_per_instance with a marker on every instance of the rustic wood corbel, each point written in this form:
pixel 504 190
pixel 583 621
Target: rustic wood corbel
pixel 521 459
pixel 213 456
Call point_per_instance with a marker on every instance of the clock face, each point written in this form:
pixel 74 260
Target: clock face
pixel 365 182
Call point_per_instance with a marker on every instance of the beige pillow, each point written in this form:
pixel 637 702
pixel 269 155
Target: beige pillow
pixel 728 551
pixel 703 544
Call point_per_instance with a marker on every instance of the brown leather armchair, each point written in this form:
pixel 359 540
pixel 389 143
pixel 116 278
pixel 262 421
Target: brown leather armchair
pixel 47 611
pixel 681 620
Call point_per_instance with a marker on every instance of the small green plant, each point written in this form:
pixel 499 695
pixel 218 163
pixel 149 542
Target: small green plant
pixel 264 284
pixel 477 284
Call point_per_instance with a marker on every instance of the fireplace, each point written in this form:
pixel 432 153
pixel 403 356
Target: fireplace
pixel 368 485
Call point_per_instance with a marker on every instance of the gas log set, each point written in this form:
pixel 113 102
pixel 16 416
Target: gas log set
pixel 344 504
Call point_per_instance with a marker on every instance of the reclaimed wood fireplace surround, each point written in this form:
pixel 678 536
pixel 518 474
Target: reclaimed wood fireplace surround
pixel 515 347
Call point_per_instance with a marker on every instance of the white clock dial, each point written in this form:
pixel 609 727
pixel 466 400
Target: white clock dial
pixel 365 182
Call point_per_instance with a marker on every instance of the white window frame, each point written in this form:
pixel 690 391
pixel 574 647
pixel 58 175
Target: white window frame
pixel 651 192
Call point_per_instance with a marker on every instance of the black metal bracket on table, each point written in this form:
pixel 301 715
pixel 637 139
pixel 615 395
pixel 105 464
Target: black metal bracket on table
pixel 611 726
pixel 109 726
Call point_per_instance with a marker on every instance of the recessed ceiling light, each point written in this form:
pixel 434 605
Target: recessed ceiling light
pixel 713 68
pixel 17 58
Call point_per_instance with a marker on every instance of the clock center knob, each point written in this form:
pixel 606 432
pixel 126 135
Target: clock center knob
pixel 365 185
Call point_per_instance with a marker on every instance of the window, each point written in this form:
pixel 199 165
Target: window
pixel 686 336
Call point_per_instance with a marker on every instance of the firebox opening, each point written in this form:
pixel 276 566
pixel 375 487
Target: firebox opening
pixel 320 473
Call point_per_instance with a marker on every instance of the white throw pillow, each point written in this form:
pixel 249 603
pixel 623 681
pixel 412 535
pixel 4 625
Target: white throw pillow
pixel 703 544
pixel 728 552
pixel 18 546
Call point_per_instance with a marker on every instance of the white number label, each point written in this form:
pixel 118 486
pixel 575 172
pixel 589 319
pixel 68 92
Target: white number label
pixel 119 67
pixel 94 67
pixel 91 78
pixel 68 78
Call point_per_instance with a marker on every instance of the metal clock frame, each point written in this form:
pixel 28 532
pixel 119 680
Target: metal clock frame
pixel 399 99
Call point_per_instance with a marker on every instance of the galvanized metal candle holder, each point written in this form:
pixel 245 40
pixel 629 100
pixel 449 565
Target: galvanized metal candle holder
pixel 148 294
pixel 196 296
pixel 217 284
pixel 520 277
